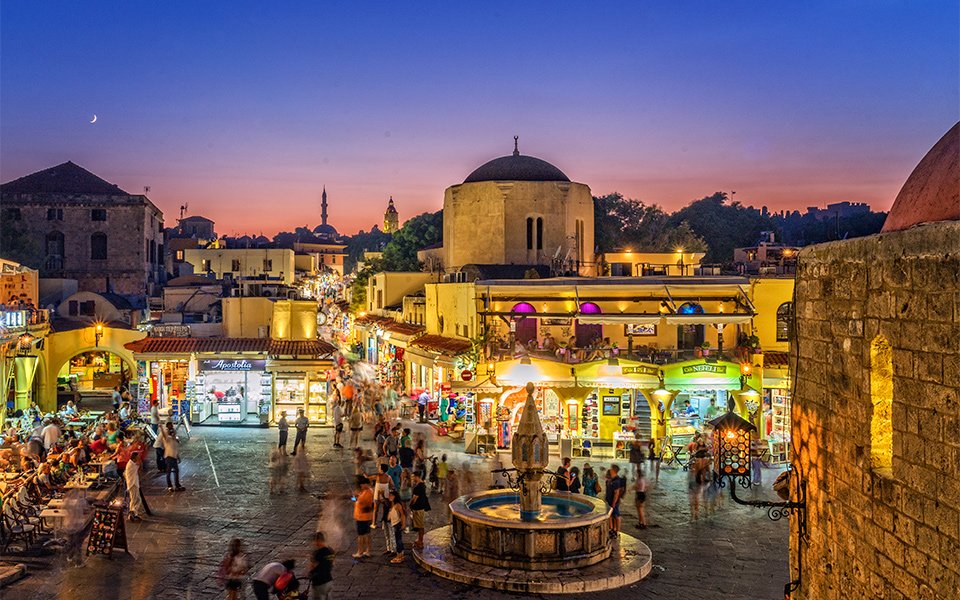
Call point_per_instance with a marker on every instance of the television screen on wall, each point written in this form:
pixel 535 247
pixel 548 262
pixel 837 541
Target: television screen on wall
pixel 611 406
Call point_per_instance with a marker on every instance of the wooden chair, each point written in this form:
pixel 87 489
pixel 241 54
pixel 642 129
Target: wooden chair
pixel 16 530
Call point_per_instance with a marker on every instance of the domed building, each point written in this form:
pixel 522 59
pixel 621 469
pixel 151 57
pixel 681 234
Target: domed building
pixel 518 210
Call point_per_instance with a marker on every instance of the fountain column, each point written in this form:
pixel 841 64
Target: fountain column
pixel 530 457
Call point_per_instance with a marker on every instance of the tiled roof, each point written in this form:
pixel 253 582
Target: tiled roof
pixel 442 344
pixel 404 328
pixel 66 178
pixel 171 345
pixel 776 360
pixel 372 320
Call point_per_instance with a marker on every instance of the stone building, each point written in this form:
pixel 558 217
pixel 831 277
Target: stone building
pixel 518 210
pixel 391 218
pixel 876 421
pixel 69 223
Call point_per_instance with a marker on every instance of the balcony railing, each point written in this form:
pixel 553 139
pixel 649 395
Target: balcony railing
pixel 14 320
pixel 656 356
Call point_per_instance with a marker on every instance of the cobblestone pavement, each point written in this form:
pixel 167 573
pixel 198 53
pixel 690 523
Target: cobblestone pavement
pixel 736 553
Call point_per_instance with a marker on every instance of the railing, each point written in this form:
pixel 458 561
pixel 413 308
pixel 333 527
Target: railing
pixel 656 356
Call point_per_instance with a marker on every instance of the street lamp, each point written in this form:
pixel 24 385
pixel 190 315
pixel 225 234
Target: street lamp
pixel 732 465
pixel 97 334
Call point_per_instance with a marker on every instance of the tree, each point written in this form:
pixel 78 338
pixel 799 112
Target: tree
pixel 19 247
pixel 422 231
pixel 374 241
pixel 722 226
pixel 621 223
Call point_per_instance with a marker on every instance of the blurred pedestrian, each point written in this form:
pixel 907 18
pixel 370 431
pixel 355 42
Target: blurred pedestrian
pixel 640 489
pixel 356 425
pixel 397 520
pixel 268 578
pixel 171 456
pixel 337 423
pixel 302 469
pixel 321 567
pixel 615 488
pixel 233 568
pixel 591 483
pixel 131 476
pixel 419 505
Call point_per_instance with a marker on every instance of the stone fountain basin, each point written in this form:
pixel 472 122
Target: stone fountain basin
pixel 573 533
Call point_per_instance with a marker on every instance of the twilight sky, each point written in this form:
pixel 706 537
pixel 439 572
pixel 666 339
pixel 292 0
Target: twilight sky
pixel 244 110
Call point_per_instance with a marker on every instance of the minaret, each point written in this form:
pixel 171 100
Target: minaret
pixel 391 219
pixel 323 207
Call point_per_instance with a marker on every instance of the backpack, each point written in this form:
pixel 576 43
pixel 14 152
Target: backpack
pixel 283 581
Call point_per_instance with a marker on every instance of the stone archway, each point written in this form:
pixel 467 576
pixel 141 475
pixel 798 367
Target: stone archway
pixel 62 346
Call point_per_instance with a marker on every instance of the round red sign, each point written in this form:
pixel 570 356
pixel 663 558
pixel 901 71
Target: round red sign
pixel 466 375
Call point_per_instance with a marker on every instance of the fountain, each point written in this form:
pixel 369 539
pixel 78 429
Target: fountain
pixel 530 540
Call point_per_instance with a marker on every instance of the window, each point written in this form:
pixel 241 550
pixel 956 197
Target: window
pixel 98 214
pixel 539 233
pixel 153 252
pixel 73 308
pixel 379 298
pixel 785 322
pixel 529 233
pixel 179 254
pixel 205 264
pixel 98 246
pixel 235 265
pixel 267 265
pixel 12 214
pixel 54 251
pixel 88 308
pixel 54 214
pixel 881 398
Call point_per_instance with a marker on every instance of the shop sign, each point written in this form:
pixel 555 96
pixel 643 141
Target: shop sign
pixel 240 364
pixel 705 368
pixel 466 375
pixel 641 370
pixel 170 331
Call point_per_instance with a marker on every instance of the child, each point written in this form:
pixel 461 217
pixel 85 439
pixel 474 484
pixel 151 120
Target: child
pixel 442 469
pixel 397 521
pixel 321 564
pixel 386 523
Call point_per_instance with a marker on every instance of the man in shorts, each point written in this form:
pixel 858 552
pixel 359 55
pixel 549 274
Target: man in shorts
pixel 419 504
pixel 615 489
pixel 363 516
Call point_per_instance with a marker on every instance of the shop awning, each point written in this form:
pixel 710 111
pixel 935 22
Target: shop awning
pixel 539 371
pixel 626 373
pixel 442 344
pixel 706 319
pixel 701 375
pixel 618 319
pixel 477 387
pixel 171 345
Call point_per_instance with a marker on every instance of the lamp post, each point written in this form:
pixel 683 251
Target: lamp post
pixel 97 334
pixel 732 465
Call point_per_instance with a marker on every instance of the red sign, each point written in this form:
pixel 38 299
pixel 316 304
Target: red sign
pixel 466 375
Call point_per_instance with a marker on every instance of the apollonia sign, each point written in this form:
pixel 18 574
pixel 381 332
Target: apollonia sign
pixel 239 364
pixel 705 368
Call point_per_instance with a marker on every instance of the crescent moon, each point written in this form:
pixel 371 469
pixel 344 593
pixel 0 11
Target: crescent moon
pixel 94 119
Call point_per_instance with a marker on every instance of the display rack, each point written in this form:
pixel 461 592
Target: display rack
pixel 780 430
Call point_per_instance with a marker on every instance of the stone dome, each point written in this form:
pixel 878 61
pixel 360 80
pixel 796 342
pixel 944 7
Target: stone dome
pixel 325 229
pixel 516 168
pixel 932 192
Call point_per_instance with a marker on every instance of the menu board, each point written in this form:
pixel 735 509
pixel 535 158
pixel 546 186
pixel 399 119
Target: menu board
pixel 107 532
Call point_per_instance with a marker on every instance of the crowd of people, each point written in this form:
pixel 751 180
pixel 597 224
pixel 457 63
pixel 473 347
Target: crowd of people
pixel 46 458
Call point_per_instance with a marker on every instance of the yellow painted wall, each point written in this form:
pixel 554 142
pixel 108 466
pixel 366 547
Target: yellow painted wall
pixel 243 317
pixel 389 288
pixel 456 303
pixel 294 320
pixel 251 262
pixel 767 294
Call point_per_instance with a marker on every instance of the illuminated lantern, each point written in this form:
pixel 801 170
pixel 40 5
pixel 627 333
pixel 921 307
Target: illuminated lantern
pixel 731 445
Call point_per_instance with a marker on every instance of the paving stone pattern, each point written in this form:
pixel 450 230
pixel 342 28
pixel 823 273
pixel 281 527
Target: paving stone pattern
pixel 736 553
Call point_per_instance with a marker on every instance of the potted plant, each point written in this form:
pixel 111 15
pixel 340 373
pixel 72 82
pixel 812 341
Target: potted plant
pixel 753 343
pixel 705 348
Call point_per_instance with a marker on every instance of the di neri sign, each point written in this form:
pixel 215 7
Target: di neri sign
pixel 705 368
pixel 239 364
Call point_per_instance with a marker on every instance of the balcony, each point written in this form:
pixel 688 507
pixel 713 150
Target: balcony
pixel 17 321
pixel 642 353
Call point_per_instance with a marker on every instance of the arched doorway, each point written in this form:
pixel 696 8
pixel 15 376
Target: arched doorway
pixel 587 333
pixel 94 370
pixel 526 326
pixel 689 336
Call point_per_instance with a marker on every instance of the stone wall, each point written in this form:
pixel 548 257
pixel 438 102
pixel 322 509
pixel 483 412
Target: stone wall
pixel 876 532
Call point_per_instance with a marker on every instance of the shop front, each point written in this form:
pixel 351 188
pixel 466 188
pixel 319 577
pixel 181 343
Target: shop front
pixel 775 416
pixel 301 384
pixel 431 362
pixel 231 391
